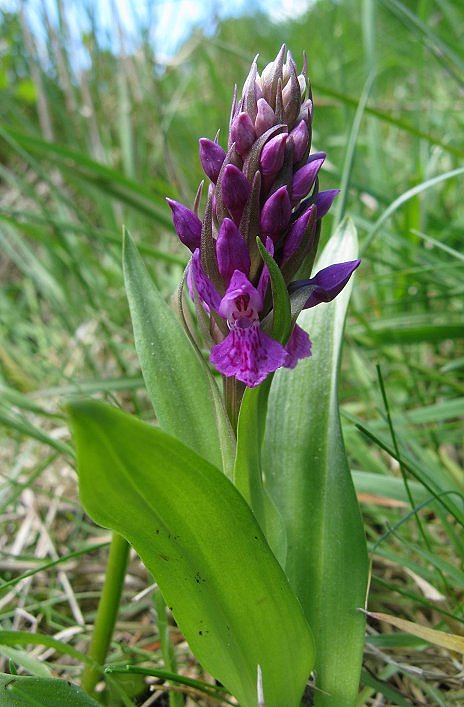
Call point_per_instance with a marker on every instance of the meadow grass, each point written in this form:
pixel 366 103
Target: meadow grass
pixel 85 150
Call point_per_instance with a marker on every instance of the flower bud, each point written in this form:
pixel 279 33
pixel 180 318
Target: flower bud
pixel 329 282
pixel 291 99
pixel 304 178
pixel 249 95
pixel 211 157
pixel 296 234
pixel 306 111
pixel 265 117
pixel 186 223
pixel 231 251
pixel 272 156
pixel 300 137
pixel 270 77
pixel 289 68
pixel 275 214
pixel 324 201
pixel 242 132
pixel 235 191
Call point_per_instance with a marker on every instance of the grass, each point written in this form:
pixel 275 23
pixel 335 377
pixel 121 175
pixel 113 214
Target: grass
pixel 86 150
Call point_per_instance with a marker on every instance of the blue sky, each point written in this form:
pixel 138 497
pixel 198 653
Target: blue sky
pixel 171 21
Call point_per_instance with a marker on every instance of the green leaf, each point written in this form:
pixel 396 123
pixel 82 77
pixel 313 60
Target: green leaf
pixel 25 638
pixel 200 540
pixel 178 382
pixel 22 691
pixel 309 479
pixel 282 319
pixel 33 665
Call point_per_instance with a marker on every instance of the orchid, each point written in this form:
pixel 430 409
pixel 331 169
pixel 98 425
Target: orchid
pixel 235 521
pixel 265 186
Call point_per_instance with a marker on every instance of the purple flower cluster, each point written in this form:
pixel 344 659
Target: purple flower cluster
pixel 265 186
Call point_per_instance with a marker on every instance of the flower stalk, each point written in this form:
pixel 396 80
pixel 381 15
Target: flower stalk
pixel 107 611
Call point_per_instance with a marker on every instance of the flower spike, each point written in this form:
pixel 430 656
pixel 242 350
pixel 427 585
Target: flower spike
pixel 265 187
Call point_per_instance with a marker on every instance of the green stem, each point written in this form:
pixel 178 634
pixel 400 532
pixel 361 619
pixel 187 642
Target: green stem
pixel 233 394
pixel 107 611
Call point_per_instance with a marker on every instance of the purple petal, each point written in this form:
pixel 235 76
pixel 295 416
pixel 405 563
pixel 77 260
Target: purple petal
pixel 304 178
pixel 325 200
pixel 235 191
pixel 231 250
pixel 248 354
pixel 186 223
pixel 211 157
pixel 300 137
pixel 306 111
pixel 296 233
pixel 329 282
pixel 205 288
pixel 275 214
pixel 189 280
pixel 242 132
pixel 250 304
pixel 265 118
pixel 265 275
pixel 272 155
pixel 298 346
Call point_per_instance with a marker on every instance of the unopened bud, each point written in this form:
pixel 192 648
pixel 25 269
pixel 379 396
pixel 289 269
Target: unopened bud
pixel 304 178
pixel 275 214
pixel 242 132
pixel 186 223
pixel 324 201
pixel 300 137
pixel 231 250
pixel 211 156
pixel 272 155
pixel 235 191
pixel 296 233
pixel 265 117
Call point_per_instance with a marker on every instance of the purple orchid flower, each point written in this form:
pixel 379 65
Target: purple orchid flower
pixel 266 185
pixel 247 352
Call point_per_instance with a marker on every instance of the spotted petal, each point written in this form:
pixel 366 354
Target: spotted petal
pixel 239 288
pixel 248 354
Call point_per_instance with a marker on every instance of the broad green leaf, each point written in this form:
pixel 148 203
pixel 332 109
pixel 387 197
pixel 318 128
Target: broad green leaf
pixel 22 691
pixel 178 383
pixel 310 482
pixel 200 540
